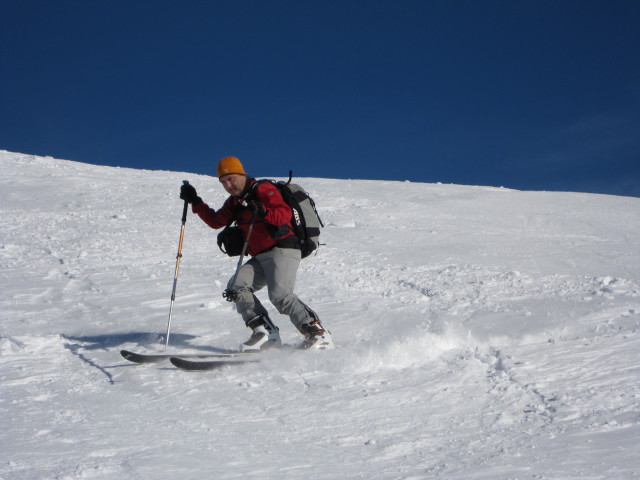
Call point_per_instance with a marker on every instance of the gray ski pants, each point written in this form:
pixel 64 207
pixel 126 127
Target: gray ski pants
pixel 275 269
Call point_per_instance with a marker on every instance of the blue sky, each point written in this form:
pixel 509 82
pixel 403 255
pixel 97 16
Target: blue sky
pixel 534 95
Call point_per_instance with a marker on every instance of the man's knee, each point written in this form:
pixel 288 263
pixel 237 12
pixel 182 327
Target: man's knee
pixel 282 300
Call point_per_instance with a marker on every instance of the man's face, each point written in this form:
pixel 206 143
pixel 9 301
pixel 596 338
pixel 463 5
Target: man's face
pixel 233 183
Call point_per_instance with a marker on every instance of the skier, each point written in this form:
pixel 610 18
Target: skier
pixel 275 252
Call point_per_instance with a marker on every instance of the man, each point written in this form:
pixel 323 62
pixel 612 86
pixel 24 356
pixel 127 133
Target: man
pixel 258 207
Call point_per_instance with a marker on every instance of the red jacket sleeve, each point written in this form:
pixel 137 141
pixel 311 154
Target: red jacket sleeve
pixel 215 219
pixel 277 211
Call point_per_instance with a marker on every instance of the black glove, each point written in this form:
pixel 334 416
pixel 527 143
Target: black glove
pixel 258 208
pixel 188 194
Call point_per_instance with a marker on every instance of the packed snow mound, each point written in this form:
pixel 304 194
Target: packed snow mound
pixel 481 332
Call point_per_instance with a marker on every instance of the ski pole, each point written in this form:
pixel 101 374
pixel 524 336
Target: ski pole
pixel 230 294
pixel 175 275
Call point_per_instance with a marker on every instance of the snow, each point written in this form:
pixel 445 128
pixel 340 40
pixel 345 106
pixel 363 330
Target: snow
pixel 482 333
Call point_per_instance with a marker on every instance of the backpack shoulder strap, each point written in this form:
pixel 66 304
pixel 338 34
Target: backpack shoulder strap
pixel 251 193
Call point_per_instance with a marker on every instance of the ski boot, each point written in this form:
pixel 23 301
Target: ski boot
pixel 265 335
pixel 316 336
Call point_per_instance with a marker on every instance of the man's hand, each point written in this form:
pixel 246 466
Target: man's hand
pixel 258 208
pixel 188 194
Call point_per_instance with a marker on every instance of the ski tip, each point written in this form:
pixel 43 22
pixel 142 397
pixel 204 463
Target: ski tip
pixel 189 365
pixel 140 358
pixel 183 364
pixel 128 355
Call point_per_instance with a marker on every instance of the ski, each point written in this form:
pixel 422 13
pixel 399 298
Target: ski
pixel 161 357
pixel 192 365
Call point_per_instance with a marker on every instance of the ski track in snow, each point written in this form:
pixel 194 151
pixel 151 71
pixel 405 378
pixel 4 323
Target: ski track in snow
pixel 482 333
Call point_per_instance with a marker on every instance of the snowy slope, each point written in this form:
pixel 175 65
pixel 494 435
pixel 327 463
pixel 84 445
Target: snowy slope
pixel 482 333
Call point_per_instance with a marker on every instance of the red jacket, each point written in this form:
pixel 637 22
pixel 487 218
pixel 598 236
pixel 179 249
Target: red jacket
pixel 267 231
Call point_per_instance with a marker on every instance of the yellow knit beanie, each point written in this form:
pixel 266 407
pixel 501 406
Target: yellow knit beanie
pixel 230 165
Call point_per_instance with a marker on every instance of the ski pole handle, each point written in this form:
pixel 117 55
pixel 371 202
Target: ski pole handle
pixel 186 206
